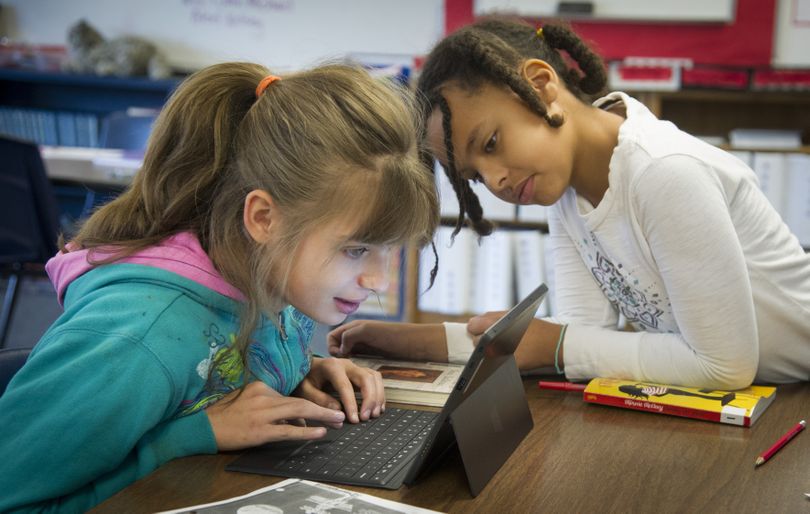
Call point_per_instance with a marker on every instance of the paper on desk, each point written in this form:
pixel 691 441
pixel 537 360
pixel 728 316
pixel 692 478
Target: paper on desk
pixel 296 495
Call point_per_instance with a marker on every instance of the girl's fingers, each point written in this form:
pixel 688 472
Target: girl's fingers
pixel 289 408
pixel 334 339
pixel 288 432
pixel 345 391
pixel 348 338
pixel 308 390
pixel 371 391
pixel 337 337
pixel 381 393
pixel 478 324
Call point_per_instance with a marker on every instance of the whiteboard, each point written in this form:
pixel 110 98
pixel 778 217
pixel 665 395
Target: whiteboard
pixel 281 34
pixel 640 10
pixel 792 35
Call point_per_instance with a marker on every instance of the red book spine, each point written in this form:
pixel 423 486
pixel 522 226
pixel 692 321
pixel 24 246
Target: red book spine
pixel 650 406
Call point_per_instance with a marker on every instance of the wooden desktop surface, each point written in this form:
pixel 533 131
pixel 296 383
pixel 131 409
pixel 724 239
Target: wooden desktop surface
pixel 579 458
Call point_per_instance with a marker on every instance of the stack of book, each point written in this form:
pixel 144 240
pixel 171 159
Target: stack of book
pixel 414 383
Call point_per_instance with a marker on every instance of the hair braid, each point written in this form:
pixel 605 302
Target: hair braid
pixel 468 202
pixel 480 47
pixel 594 78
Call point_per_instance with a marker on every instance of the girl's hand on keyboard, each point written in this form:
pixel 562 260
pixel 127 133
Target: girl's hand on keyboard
pixel 344 376
pixel 259 415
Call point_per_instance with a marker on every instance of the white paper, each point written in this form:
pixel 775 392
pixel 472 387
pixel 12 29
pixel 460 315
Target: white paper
pixel 296 495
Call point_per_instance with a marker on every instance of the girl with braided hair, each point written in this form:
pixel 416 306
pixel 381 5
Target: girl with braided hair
pixel 647 223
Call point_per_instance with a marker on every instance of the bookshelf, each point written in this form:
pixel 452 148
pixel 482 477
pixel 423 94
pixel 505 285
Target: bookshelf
pixel 709 112
pixel 509 233
pixel 717 112
pixel 46 103
pixel 68 110
pixel 92 93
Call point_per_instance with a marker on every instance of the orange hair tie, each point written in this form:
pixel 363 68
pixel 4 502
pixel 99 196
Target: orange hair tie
pixel 266 81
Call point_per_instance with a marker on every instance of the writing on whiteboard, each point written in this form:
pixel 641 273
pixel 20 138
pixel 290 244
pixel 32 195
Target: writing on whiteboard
pixel 234 13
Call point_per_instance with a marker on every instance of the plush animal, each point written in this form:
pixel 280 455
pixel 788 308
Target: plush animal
pixel 127 56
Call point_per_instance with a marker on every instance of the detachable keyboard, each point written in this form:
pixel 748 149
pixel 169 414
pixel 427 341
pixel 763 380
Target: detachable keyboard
pixel 369 453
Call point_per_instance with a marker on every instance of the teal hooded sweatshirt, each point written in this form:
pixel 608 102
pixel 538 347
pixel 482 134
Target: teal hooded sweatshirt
pixel 118 385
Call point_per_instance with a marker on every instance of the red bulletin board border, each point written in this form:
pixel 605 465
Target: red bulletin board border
pixel 747 41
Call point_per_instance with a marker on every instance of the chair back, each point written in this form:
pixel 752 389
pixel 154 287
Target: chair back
pixel 28 209
pixel 11 360
pixel 127 130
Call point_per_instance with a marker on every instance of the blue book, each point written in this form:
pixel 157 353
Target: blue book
pixel 66 128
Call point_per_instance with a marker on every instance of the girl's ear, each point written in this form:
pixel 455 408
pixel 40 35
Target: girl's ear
pixel 543 79
pixel 260 216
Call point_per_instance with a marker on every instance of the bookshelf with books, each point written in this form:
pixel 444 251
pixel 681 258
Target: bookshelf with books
pixel 59 109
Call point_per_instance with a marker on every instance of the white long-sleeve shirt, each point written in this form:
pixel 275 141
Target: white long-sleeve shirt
pixel 685 246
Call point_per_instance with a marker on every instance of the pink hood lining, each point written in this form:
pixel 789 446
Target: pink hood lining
pixel 181 254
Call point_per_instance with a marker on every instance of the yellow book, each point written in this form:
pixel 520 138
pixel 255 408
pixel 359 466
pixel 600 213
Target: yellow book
pixel 742 407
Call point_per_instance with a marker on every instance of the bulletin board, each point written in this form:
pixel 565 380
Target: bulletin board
pixel 747 40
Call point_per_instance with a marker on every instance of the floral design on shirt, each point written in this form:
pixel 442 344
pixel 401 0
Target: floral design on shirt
pixel 279 362
pixel 225 377
pixel 632 303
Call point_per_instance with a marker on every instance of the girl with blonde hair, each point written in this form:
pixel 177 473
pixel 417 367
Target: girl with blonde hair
pixel 264 205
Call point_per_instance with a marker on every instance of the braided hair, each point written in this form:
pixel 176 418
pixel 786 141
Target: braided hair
pixel 491 51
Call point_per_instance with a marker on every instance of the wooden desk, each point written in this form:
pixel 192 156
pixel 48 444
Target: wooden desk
pixel 579 458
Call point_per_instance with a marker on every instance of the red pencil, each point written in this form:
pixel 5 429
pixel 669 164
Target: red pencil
pixel 561 386
pixel 767 454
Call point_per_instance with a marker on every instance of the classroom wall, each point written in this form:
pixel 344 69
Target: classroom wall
pixel 283 34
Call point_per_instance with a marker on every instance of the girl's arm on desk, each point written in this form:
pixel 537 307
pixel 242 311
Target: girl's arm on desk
pixel 437 342
pixel 408 341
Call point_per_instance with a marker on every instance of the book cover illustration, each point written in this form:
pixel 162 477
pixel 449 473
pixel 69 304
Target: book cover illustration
pixel 742 407
pixel 421 383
